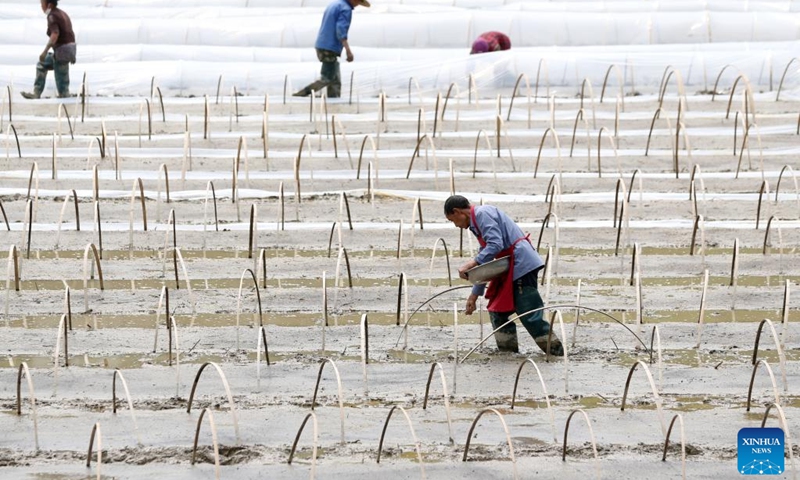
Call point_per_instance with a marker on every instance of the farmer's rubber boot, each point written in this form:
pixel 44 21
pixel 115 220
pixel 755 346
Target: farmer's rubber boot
pixel 31 95
pixel 507 342
pixel 505 337
pixel 316 87
pixel 556 349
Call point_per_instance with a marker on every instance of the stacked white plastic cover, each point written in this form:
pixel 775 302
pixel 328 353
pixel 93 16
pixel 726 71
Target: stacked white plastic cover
pixel 256 44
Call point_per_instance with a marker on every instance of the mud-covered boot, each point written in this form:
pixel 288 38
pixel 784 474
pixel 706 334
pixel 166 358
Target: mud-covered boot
pixel 31 95
pixel 507 342
pixel 556 349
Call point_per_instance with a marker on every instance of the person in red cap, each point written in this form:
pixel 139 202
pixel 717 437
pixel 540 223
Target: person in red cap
pixel 490 42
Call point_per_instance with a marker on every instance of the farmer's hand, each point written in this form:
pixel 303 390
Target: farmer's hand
pixel 350 56
pixel 471 304
pixel 43 56
pixel 462 270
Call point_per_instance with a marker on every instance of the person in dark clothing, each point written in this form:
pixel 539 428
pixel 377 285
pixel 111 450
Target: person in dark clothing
pixel 331 39
pixel 515 291
pixel 61 38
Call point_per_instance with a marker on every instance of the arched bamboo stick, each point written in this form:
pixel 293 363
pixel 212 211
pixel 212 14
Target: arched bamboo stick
pixel 613 146
pixel 475 155
pixel 413 435
pixel 505 429
pixel 118 373
pixel 762 191
pixel 62 330
pixel 447 258
pixel 343 254
pixel 544 392
pixel 678 417
pixel 580 116
pixel 716 82
pixel 96 258
pixel 781 355
pixel 656 116
pixel 783 77
pixel 785 427
pixel 591 437
pixel 444 394
pixel 766 233
pixel 416 152
pixel 777 186
pixel 361 154
pixel 591 97
pixel 23 369
pixel 554 136
pixel 419 90
pixel 514 94
pixel 338 384
pixel 258 301
pixel 775 391
pixel 214 440
pixel 62 107
pixel 458 105
pixel 436 113
pixel 314 442
pixel 210 188
pixel 95 430
pixel 12 271
pixel 620 81
pixel 225 384
pixel 669 72
pixel 749 102
pixel 206 119
pixel 11 128
pixel 653 388
pixel 699 224
pixel 27 225
pixel 620 185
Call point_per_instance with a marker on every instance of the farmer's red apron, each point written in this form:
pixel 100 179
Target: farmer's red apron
pixel 501 289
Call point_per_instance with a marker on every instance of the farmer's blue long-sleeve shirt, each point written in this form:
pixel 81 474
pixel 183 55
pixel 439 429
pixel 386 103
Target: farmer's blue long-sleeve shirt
pixel 499 231
pixel 335 24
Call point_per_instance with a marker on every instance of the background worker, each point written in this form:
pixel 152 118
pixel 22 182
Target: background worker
pixel 515 291
pixel 61 39
pixel 331 39
pixel 490 42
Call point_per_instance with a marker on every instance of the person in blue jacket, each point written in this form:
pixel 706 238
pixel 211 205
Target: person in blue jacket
pixel 515 291
pixel 331 40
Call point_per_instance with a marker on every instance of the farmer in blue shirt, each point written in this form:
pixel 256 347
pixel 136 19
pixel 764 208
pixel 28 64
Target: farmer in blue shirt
pixel 514 291
pixel 331 39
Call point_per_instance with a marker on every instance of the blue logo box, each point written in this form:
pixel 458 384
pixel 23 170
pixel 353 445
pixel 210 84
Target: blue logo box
pixel 761 451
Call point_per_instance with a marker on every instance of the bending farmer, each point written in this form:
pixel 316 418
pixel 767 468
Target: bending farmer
pixel 332 37
pixel 512 292
pixel 490 42
pixel 61 39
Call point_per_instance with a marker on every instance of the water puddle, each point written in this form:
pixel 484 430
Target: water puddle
pixel 126 361
pixel 272 252
pixel 249 319
pixel 360 282
pixel 711 359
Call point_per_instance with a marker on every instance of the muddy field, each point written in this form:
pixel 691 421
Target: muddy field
pixel 338 229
